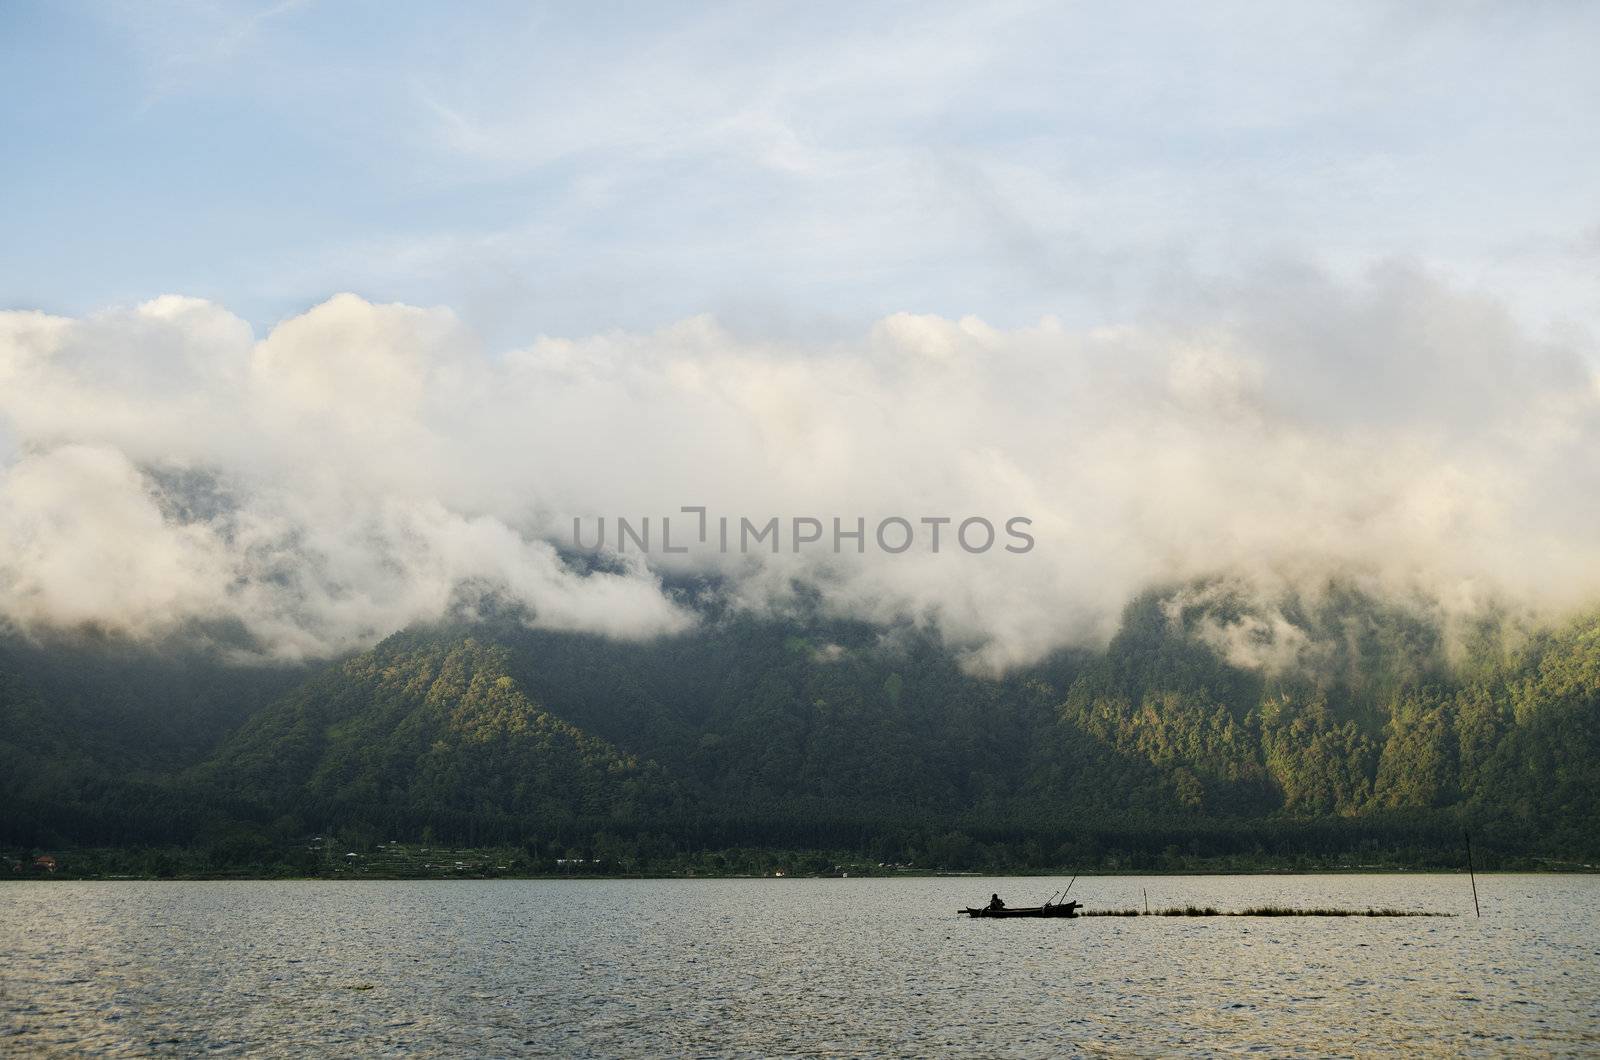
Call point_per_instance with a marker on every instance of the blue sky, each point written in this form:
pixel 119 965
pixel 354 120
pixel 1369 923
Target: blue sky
pixel 569 169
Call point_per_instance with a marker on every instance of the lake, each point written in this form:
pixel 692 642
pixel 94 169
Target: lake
pixel 819 967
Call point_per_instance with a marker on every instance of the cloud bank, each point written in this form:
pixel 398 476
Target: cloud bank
pixel 362 467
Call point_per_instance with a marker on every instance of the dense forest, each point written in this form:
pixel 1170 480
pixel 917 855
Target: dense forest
pixel 1214 731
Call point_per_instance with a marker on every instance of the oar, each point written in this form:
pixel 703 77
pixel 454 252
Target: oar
pixel 1069 886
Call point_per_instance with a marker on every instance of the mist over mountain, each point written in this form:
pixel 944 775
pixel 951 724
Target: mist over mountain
pixel 361 468
pixel 1313 575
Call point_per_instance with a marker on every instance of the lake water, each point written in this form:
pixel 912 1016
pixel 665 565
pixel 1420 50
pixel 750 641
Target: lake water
pixel 765 967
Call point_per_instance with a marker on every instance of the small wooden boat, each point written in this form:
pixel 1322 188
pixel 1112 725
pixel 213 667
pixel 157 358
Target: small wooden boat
pixel 1059 909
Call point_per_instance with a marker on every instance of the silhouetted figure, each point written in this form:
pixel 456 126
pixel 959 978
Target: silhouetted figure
pixel 995 902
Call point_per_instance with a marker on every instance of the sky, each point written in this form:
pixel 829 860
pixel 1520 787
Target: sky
pixel 565 169
pixel 318 319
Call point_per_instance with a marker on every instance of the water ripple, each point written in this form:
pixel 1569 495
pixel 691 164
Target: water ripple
pixel 813 967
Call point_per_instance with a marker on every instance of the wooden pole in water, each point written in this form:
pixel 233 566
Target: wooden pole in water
pixel 1470 876
pixel 1146 901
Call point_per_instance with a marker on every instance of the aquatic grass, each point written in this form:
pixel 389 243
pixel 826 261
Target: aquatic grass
pixel 1259 910
pixel 1278 910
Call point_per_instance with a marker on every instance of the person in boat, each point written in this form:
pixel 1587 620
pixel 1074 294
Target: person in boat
pixel 995 902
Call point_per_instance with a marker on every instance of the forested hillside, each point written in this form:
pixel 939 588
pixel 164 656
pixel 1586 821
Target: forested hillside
pixel 1212 727
pixel 423 735
pixel 94 733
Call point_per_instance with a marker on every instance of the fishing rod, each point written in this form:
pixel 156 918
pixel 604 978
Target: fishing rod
pixel 1061 894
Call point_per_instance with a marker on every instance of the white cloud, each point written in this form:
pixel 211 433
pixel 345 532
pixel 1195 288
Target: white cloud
pixel 361 466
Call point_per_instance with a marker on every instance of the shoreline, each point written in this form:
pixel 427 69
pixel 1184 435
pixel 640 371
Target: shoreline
pixel 785 878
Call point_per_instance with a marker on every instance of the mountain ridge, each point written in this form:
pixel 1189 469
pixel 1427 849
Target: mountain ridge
pixel 804 732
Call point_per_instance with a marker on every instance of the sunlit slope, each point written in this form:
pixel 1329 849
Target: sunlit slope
pixel 424 734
